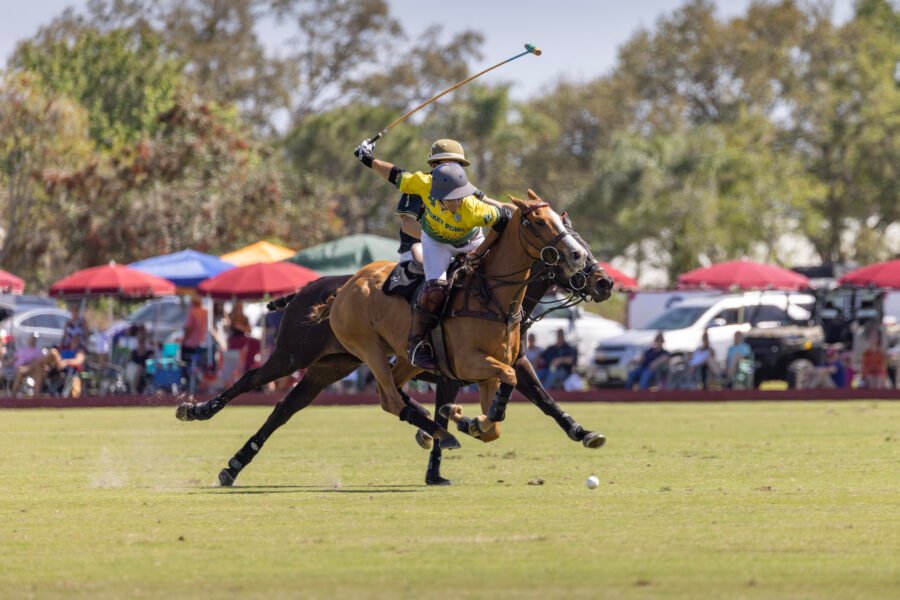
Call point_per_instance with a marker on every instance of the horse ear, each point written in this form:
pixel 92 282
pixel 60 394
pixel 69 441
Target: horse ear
pixel 534 196
pixel 517 201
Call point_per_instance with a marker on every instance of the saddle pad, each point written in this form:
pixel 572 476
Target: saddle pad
pixel 404 280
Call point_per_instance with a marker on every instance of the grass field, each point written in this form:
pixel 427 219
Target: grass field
pixel 740 500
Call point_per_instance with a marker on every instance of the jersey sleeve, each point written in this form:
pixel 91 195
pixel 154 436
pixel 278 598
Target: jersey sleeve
pixel 415 184
pixel 410 205
pixel 483 214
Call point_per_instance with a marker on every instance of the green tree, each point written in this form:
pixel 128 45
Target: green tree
pixel 41 134
pixel 121 77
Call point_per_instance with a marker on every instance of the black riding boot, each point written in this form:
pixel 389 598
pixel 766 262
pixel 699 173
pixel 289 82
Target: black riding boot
pixel 425 316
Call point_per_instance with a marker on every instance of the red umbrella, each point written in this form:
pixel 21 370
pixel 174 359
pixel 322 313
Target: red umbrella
pixel 112 280
pixel 257 281
pixel 622 280
pixel 883 275
pixel 743 274
pixel 11 283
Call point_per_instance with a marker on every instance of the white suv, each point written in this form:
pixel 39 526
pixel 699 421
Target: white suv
pixel 684 324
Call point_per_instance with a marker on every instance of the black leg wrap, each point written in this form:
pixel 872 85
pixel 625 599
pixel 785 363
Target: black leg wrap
pixel 469 426
pixel 415 414
pixel 497 412
pixel 248 452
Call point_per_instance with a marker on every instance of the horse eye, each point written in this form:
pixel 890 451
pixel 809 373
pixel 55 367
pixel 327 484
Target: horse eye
pixel 542 222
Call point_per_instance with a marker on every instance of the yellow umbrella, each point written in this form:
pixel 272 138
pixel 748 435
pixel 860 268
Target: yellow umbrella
pixel 260 252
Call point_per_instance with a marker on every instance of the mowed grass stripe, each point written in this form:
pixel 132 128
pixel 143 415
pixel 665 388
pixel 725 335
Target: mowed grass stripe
pixel 738 500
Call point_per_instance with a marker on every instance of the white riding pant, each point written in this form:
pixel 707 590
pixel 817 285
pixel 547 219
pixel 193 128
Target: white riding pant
pixel 438 255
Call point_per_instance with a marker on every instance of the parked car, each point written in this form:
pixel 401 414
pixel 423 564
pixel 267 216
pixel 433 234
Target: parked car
pixel 161 317
pixel 584 330
pixel 45 321
pixel 684 324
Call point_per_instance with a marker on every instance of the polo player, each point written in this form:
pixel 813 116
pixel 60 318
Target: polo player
pixel 454 211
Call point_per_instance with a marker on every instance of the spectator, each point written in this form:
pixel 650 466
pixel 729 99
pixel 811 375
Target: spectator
pixel 193 345
pixel 651 362
pixel 559 362
pixel 238 321
pixel 874 363
pixel 74 326
pixel 533 351
pixel 63 362
pixel 831 374
pixel 249 346
pixel 702 362
pixel 25 361
pixel 137 364
pixel 739 351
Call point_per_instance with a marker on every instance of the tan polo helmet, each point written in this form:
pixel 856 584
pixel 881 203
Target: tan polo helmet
pixel 447 150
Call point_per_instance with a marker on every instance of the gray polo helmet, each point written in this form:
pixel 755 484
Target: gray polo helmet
pixel 449 182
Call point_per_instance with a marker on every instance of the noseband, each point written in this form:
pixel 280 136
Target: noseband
pixel 547 252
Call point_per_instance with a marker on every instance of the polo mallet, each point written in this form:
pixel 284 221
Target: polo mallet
pixel 529 49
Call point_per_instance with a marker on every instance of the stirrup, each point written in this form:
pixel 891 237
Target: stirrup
pixel 422 350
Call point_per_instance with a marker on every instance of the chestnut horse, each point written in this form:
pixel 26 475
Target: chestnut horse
pixel 304 344
pixel 481 331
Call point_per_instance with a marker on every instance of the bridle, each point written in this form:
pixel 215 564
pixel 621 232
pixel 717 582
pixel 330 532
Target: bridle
pixel 547 251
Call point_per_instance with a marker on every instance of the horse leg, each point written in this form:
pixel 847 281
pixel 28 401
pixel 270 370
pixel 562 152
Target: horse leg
pixel 493 374
pixel 279 365
pixel 445 395
pixel 397 402
pixel 318 376
pixel 530 386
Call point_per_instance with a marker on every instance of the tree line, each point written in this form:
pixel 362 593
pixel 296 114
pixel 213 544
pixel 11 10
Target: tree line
pixel 137 127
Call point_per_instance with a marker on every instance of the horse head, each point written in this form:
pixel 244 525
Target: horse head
pixel 592 282
pixel 545 238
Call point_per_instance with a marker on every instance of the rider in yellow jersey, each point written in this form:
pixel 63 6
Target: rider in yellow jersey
pixel 454 212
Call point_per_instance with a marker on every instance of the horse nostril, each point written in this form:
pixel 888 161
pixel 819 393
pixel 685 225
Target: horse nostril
pixel 576 255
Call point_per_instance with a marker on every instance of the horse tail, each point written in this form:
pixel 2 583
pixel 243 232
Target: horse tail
pixel 320 313
pixel 280 303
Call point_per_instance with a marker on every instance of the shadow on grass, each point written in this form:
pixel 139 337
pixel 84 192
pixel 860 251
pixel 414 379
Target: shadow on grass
pixel 310 489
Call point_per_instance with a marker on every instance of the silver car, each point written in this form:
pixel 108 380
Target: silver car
pixel 47 322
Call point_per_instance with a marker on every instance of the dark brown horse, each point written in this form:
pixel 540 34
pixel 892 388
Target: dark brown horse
pixel 302 343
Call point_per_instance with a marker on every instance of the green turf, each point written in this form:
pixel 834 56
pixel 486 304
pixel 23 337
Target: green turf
pixel 748 500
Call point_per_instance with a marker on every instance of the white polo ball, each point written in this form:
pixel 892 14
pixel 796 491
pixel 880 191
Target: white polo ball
pixel 592 482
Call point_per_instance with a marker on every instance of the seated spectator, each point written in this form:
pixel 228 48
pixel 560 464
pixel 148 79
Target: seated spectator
pixel 558 362
pixel 25 360
pixel 61 362
pixel 250 346
pixel 831 374
pixel 238 321
pixel 533 351
pixel 137 365
pixel 874 364
pixel 738 351
pixel 703 362
pixel 650 365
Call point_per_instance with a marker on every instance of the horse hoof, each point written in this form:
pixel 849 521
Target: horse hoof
pixel 445 411
pixel 450 443
pixel 594 440
pixel 226 479
pixel 424 440
pixel 436 479
pixel 183 412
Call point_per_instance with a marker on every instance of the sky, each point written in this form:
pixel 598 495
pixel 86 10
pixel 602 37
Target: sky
pixel 579 38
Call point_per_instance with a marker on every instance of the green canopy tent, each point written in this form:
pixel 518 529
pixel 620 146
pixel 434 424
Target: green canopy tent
pixel 347 255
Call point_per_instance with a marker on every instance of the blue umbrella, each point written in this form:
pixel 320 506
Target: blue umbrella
pixel 185 269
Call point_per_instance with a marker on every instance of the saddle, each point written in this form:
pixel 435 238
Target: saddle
pixel 407 280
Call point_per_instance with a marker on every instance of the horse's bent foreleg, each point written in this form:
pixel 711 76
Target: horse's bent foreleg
pixel 317 377
pixel 528 384
pixel 398 403
pixel 278 365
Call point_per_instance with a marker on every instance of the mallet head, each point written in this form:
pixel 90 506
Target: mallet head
pixel 533 49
